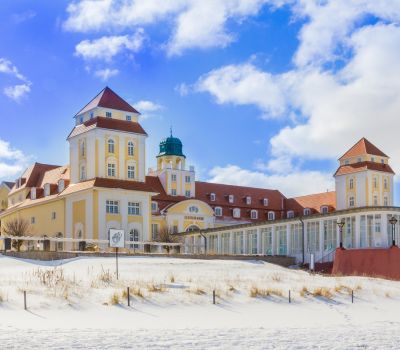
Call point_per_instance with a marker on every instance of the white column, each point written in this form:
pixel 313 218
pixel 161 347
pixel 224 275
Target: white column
pixel 357 231
pixel 231 238
pixel 219 249
pixel 384 228
pixel 321 238
pixel 274 241
pixel 288 239
pixel 259 248
pixel 245 242
pixel 121 160
pixel 102 155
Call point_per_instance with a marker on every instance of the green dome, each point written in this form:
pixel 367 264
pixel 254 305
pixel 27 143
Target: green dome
pixel 171 146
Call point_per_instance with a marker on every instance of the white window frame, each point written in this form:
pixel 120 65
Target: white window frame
pixel 265 202
pixel 236 213
pixel 324 209
pixel 290 214
pixel 188 193
pixel 111 169
pixel 212 197
pixel 231 198
pixel 131 149
pixel 351 183
pixel 130 171
pixel 271 215
pixel 248 200
pixel 83 172
pixel 111 146
pixel 128 118
pixel 306 211
pixel 154 206
pixel 193 209
pixel 108 114
pixel 188 179
pixel 173 177
pixel 61 185
pixel 46 188
pixel 112 206
pixel 173 192
pixel 134 208
pixel 218 211
pixel 351 202
pixel 254 214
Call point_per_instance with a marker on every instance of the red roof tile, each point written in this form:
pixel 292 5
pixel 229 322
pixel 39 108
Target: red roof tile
pixel 107 98
pixel 107 123
pixel 313 202
pixel 362 166
pixel 123 184
pixel 363 147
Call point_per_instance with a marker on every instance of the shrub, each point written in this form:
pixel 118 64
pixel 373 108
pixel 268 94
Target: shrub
pixel 322 292
pixel 259 292
pixel 155 288
pixel 304 291
pixel 115 299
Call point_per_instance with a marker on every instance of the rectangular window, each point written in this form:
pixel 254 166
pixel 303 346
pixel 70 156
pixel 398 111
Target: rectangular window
pixel 248 200
pixel 133 208
pixel 111 170
pixel 154 231
pixel 254 214
pixel 187 179
pixel 91 115
pixel 212 197
pixel 53 215
pixel 112 207
pixel 231 198
pixel 218 211
pixel 154 206
pixel 175 229
pixel 265 201
pixel 173 192
pixel 128 118
pixel 33 220
pixel 131 172
pixel 187 193
pixel 108 114
pixel 173 177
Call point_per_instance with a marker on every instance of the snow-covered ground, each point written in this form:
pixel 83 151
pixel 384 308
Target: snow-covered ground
pixel 79 304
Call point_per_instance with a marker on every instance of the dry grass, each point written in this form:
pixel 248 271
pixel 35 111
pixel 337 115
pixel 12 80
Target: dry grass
pixel 154 288
pixel 136 291
pixel 304 291
pixel 260 292
pixel 1 297
pixel 115 299
pixel 343 289
pixel 196 290
pixel 276 277
pixel 171 278
pixel 322 292
pixel 105 276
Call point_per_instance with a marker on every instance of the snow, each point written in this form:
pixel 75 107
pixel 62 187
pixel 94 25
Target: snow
pixel 69 306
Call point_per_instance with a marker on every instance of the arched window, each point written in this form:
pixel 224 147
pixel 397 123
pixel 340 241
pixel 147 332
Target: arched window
pixel 193 209
pixel 324 209
pixel 111 146
pixel 192 228
pixel 351 184
pixel 218 211
pixel 254 214
pixel 306 211
pixel 131 149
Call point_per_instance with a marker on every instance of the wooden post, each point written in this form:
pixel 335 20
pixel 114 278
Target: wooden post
pixel 214 297
pixel 352 296
pixel 290 300
pixel 129 297
pixel 25 300
pixel 116 260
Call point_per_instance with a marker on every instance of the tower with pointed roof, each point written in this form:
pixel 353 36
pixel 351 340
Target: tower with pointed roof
pixel 176 179
pixel 364 177
pixel 107 140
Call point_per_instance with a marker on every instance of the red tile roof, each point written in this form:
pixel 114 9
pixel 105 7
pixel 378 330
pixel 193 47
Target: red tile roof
pixel 362 166
pixel 107 98
pixel 107 123
pixel 313 202
pixel 363 147
pixel 123 184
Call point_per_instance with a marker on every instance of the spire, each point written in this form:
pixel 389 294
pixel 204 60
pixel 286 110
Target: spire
pixel 170 130
pixel 363 147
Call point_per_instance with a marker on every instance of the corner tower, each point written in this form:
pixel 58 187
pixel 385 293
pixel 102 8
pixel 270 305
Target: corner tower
pixel 107 140
pixel 176 179
pixel 364 177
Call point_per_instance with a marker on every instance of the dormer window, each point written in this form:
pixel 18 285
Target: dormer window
pixel 290 214
pixel 212 197
pixel 359 160
pixel 346 162
pixel 265 202
pixel 236 213
pixel 47 190
pixel 372 159
pixel 306 211
pixel 324 209
pixel 254 214
pixel 128 118
pixel 108 114
pixel 81 119
pixel 248 200
pixel 231 198
pixel 382 161
pixel 271 215
pixel 218 211
pixel 61 185
pixel 91 115
pixel 33 193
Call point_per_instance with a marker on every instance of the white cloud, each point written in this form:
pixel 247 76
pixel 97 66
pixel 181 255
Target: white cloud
pixel 147 108
pixel 18 91
pixel 195 23
pixel 244 85
pixel 107 73
pixel 106 47
pixel 291 184
pixel 12 161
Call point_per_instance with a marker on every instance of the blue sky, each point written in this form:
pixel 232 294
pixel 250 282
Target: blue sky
pixel 261 92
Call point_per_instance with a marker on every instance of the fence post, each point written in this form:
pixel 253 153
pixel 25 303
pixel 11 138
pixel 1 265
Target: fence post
pixel 214 296
pixel 129 297
pixel 352 296
pixel 25 300
pixel 290 300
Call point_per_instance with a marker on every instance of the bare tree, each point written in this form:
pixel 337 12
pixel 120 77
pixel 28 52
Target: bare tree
pixel 166 235
pixel 16 227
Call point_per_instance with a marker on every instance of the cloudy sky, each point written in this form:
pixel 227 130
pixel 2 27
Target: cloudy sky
pixel 264 93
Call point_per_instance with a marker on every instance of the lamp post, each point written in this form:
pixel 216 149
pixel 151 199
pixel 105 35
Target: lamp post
pixel 393 222
pixel 340 224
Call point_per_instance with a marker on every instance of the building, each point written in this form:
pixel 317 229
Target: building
pixel 105 186
pixel 5 188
